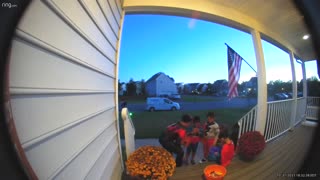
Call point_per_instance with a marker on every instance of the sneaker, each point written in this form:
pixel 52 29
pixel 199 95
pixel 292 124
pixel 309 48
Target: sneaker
pixel 192 162
pixel 203 160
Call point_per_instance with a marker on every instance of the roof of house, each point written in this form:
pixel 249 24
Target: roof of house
pixel 221 81
pixel 192 85
pixel 254 79
pixel 154 77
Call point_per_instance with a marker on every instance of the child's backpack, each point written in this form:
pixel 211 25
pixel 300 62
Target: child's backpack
pixel 215 154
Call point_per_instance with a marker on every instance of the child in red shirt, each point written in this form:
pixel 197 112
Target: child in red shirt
pixel 194 133
pixel 227 151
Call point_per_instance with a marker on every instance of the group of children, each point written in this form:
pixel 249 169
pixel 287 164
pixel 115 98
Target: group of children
pixel 186 135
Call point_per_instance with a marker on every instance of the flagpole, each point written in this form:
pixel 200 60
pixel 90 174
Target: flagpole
pixel 243 59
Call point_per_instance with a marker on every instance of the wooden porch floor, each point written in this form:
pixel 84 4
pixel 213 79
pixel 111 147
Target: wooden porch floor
pixel 282 155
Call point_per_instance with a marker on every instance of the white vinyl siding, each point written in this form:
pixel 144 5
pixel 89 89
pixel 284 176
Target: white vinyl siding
pixel 151 88
pixel 62 84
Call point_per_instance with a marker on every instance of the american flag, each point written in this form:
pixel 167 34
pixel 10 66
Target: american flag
pixel 234 67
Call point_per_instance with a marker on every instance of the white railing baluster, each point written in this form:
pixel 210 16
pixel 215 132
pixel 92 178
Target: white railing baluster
pixel 301 110
pixel 313 107
pixel 279 116
pixel 268 122
pixel 254 114
pixel 278 122
pixel 273 120
pixel 267 129
pixel 272 124
pixel 247 122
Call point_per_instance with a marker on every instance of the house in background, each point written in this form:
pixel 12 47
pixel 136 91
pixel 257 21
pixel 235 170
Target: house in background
pixel 190 88
pixel 123 89
pixel 180 87
pixel 202 88
pixel 161 84
pixel 251 86
pixel 220 87
pixel 138 87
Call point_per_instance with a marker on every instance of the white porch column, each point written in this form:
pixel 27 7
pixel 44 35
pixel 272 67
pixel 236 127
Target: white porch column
pixel 294 91
pixel 304 75
pixel 305 87
pixel 262 85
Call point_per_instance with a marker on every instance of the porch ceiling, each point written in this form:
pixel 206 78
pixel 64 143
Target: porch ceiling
pixel 278 20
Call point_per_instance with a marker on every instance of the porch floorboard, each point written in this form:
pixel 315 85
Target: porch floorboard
pixel 281 156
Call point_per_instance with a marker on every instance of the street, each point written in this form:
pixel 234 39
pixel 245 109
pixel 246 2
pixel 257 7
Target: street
pixel 189 106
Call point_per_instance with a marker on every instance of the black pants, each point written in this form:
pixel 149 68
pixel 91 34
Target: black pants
pixel 174 148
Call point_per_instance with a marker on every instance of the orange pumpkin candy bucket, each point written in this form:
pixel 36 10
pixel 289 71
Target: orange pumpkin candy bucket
pixel 214 172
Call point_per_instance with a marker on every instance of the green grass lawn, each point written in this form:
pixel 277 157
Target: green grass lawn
pixel 151 124
pixel 133 99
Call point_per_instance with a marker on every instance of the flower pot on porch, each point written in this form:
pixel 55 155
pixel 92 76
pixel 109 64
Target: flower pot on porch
pixel 251 144
pixel 150 162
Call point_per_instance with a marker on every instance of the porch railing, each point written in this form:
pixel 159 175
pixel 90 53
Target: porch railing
pixel 278 118
pixel 129 131
pixel 279 114
pixel 301 110
pixel 248 121
pixel 313 104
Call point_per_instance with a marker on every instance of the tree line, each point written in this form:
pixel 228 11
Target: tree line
pixel 273 87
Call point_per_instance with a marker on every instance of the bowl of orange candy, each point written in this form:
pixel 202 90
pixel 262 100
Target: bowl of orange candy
pixel 214 172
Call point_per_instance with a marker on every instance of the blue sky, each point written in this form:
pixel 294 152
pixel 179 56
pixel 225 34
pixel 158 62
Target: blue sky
pixel 192 50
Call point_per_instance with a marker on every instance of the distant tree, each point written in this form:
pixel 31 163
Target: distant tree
pixel 241 87
pixel 200 87
pixel 184 89
pixel 143 87
pixel 131 88
pixel 209 89
pixel 180 89
pixel 300 86
pixel 119 86
pixel 313 86
pixel 277 86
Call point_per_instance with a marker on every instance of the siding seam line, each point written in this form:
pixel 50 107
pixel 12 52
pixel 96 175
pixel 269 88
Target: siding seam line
pixel 26 38
pixel 106 18
pixel 117 7
pixel 100 154
pixel 14 90
pixel 114 16
pixel 73 157
pixel 53 6
pixel 32 142
pixel 94 20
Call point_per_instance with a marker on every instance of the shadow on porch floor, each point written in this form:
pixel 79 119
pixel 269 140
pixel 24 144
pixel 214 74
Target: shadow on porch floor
pixel 281 156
